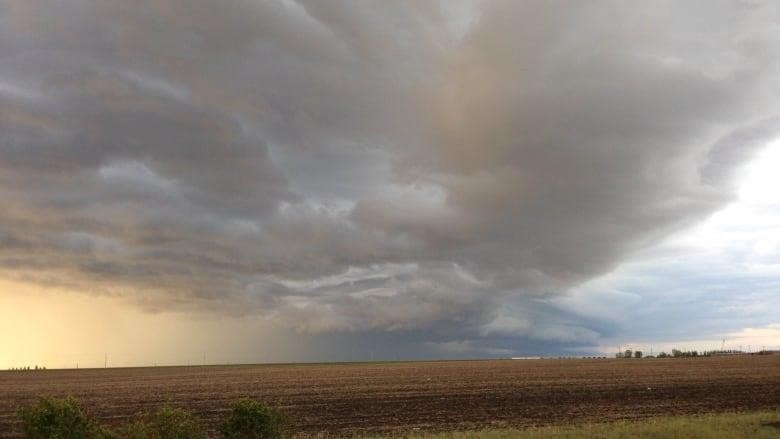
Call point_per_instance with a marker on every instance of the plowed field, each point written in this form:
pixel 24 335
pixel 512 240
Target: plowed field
pixel 347 399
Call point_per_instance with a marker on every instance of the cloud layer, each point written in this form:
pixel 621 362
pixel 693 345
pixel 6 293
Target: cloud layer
pixel 349 166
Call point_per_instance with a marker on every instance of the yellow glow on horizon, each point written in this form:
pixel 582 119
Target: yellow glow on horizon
pixel 26 313
pixel 59 329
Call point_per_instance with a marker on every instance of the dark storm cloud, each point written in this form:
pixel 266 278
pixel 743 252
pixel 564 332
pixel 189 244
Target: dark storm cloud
pixel 417 167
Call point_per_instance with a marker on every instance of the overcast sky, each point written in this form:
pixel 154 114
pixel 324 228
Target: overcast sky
pixel 308 180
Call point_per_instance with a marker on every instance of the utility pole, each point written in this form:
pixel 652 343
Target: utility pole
pixel 105 360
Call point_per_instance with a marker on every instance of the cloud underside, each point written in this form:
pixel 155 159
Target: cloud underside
pixel 350 166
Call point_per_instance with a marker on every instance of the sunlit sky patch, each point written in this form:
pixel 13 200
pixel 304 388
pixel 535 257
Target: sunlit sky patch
pixel 719 280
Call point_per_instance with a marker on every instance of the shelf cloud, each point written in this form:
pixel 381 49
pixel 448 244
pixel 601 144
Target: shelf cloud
pixel 361 167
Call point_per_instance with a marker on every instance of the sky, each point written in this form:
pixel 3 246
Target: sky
pixel 189 181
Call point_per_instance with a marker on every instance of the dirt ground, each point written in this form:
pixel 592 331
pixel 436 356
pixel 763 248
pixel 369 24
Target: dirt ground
pixel 359 398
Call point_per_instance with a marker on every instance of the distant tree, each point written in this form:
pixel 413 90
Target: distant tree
pixel 619 355
pixel 638 354
pixel 663 355
pixel 676 353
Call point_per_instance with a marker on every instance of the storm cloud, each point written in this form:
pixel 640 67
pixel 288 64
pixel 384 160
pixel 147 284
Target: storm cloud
pixel 430 169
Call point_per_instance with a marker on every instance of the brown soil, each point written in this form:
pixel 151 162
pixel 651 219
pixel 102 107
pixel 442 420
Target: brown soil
pixel 347 399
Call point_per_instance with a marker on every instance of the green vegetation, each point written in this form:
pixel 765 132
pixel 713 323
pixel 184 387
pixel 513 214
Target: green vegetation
pixel 252 419
pixel 166 423
pixel 54 418
pixel 757 425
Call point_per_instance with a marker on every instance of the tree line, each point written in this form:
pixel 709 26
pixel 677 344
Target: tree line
pixel 26 368
pixel 676 353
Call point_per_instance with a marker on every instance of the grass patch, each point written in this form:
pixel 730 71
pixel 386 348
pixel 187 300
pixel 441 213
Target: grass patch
pixel 758 425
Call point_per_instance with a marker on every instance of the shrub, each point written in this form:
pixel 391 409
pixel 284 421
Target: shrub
pixel 251 419
pixel 54 418
pixel 166 423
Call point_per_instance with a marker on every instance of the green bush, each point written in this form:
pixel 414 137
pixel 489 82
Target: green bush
pixel 54 418
pixel 251 419
pixel 166 423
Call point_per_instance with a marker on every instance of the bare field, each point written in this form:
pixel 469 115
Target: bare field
pixel 368 398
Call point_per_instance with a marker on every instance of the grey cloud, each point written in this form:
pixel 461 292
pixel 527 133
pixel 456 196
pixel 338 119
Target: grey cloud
pixel 436 300
pixel 370 166
pixel 573 145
